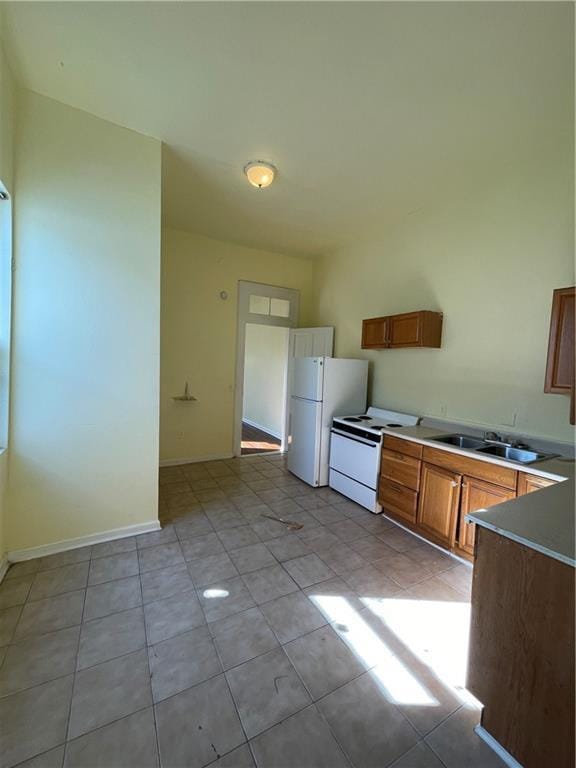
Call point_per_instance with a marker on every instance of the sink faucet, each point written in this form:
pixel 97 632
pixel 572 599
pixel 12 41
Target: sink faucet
pixel 494 437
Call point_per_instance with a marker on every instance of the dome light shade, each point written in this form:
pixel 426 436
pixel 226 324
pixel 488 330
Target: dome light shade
pixel 260 173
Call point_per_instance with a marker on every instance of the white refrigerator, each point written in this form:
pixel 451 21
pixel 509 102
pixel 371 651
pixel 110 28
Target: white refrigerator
pixel 322 387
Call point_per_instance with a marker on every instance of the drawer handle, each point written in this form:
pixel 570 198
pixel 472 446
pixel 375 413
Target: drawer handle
pixel 455 483
pixel 396 487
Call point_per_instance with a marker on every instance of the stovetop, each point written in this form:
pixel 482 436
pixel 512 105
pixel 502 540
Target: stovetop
pixel 377 419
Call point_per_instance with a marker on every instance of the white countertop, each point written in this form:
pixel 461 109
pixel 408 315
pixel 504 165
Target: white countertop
pixel 543 520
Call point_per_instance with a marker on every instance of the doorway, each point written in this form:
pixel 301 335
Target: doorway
pixel 266 313
pixel 264 402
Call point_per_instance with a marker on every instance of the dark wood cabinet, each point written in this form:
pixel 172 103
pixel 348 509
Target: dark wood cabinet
pixel 477 494
pixel 438 503
pixel 411 329
pixel 560 361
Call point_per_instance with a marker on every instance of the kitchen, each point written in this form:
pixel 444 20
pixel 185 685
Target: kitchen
pixel 442 486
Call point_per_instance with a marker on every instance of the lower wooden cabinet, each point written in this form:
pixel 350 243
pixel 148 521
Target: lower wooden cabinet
pixel 438 504
pixel 477 494
pixel 529 483
pixel 397 500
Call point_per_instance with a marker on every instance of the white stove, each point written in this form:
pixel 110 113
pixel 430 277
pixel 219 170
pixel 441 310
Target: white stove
pixel 355 449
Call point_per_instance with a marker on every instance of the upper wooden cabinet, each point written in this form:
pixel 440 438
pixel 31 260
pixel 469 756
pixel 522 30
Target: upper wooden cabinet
pixel 560 364
pixel 411 329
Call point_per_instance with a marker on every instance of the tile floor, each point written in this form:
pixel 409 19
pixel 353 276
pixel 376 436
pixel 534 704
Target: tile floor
pixel 225 640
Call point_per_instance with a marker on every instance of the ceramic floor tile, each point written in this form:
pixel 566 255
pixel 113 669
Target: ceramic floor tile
pixel 433 558
pixel 266 690
pixel 292 616
pixel 15 591
pixel 54 758
pixel 234 538
pixel 111 636
pixel 70 557
pixel 38 660
pixel 269 583
pixel 301 740
pixel 34 721
pixel 8 620
pixel 404 571
pixel 435 589
pixel 348 530
pixel 165 536
pixel 109 691
pixel 24 568
pixel 172 616
pixel 420 756
pixel 161 556
pixel 252 558
pixel 308 570
pixel 59 580
pixel 456 743
pixel 50 614
pixel 323 661
pixel 341 558
pixel 369 728
pixel 224 598
pixel 198 725
pixel 288 547
pixel 334 599
pixel 328 515
pixel 196 525
pixel 241 757
pixel 112 597
pixel 114 567
pixel 116 547
pixel 318 539
pixel 242 637
pixel 370 548
pixel 127 743
pixel 368 582
pixel 165 582
pixel 207 570
pixel 181 662
pixel 459 578
pixel 269 529
pixel 201 546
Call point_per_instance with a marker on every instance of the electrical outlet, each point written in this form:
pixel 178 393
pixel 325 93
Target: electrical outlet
pixel 179 435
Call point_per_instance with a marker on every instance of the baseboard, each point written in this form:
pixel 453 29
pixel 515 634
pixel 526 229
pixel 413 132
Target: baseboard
pixel 4 564
pixel 18 555
pixel 196 459
pixel 503 754
pixel 262 428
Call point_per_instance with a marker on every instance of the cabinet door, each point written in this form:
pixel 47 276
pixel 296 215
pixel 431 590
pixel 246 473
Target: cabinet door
pixel 477 494
pixel 406 330
pixel 560 363
pixel 375 333
pixel 528 483
pixel 438 505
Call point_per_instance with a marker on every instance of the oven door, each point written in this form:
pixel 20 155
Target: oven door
pixel 355 457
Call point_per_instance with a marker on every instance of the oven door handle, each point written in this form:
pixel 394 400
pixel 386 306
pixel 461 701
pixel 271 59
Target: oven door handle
pixel 348 436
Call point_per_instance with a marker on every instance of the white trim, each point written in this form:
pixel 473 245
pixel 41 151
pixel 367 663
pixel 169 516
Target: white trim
pixel 262 428
pixel 196 459
pixel 431 543
pixel 82 541
pixel 504 755
pixel 4 565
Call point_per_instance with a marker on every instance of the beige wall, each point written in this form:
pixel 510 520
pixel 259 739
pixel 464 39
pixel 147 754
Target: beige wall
pixel 265 362
pixel 489 261
pixel 6 176
pixel 199 335
pixel 85 373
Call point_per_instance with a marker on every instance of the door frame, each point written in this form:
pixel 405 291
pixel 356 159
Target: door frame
pixel 245 290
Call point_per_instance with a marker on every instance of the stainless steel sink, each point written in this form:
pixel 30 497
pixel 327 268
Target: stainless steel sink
pixel 489 448
pixel 521 455
pixel 461 441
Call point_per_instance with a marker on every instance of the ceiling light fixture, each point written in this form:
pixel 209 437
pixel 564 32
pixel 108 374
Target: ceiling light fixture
pixel 260 173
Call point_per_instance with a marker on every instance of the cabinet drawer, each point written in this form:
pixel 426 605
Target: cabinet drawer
pixel 484 470
pixel 406 447
pixel 398 500
pixel 403 469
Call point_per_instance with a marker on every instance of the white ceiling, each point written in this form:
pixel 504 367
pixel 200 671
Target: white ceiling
pixel 369 110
